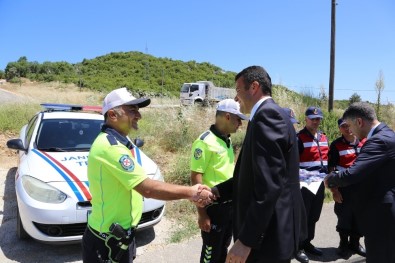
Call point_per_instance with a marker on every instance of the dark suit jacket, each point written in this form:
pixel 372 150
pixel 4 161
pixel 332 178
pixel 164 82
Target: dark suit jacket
pixel 374 172
pixel 268 208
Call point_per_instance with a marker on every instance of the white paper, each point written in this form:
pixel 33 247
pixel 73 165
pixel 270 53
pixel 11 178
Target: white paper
pixel 311 180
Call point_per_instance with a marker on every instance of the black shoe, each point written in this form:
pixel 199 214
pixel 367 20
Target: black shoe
pixel 302 257
pixel 309 248
pixel 342 250
pixel 358 249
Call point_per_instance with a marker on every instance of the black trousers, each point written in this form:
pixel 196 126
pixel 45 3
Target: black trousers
pixel 216 242
pixel 346 213
pixel 313 204
pixel 95 250
pixel 257 258
pixel 379 232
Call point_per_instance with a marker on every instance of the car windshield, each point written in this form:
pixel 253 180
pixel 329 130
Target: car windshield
pixel 185 88
pixel 67 134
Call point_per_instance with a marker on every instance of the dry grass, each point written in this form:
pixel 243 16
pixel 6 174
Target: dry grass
pixel 53 92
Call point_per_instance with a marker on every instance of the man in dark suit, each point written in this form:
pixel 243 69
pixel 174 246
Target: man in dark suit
pixel 268 216
pixel 373 174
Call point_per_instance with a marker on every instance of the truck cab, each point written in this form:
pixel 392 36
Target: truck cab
pixel 192 93
pixel 204 93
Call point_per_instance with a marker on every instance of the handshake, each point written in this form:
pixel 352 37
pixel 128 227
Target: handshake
pixel 202 195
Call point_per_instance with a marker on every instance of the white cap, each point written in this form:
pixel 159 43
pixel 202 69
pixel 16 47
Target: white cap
pixel 231 106
pixel 120 97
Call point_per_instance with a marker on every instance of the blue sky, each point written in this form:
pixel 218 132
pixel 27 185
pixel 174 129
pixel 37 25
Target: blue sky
pixel 290 38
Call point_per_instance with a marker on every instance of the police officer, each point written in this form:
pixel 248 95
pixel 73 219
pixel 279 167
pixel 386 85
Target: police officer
pixel 342 153
pixel 212 162
pixel 313 156
pixel 118 183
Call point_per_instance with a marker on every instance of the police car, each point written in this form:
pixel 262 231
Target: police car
pixel 51 182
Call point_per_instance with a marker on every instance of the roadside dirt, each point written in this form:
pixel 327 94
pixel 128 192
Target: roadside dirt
pixel 8 158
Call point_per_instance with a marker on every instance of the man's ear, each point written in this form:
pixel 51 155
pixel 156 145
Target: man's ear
pixel 254 86
pixel 360 122
pixel 111 114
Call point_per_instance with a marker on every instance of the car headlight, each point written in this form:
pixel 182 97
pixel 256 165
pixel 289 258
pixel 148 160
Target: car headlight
pixel 41 191
pixel 158 175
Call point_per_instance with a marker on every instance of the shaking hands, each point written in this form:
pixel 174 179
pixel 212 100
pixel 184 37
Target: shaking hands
pixel 202 195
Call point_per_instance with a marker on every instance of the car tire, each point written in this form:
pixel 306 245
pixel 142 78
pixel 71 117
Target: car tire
pixel 20 231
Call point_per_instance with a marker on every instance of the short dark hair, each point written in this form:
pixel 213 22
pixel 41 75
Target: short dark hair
pixel 360 110
pixel 259 74
pixel 220 113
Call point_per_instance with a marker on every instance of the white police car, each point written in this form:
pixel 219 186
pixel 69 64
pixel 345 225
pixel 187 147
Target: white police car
pixel 51 182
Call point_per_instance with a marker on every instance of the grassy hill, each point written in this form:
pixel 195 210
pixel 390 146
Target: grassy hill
pixel 144 74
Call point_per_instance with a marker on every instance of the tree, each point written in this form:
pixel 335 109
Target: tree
pixel 354 98
pixel 379 89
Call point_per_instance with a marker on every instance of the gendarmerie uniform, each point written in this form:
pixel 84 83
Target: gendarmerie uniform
pixel 313 155
pixel 342 155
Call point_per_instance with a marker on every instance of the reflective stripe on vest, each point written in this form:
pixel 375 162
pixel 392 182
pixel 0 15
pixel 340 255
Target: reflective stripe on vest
pixel 312 163
pixel 314 144
pixel 347 154
pixel 310 156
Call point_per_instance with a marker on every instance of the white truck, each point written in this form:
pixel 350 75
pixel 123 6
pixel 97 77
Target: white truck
pixel 204 93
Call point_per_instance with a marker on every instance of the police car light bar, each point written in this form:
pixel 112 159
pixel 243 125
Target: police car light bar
pixel 92 108
pixel 69 107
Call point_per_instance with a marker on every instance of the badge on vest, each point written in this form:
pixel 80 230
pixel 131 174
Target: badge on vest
pixel 126 163
pixel 197 154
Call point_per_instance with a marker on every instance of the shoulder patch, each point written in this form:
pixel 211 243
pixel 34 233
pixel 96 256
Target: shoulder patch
pixel 204 135
pixel 126 163
pixel 111 139
pixel 197 154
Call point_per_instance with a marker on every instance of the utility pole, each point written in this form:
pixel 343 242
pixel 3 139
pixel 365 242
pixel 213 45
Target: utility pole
pixel 163 77
pixel 147 77
pixel 332 56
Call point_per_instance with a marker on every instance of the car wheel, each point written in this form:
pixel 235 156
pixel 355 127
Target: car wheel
pixel 20 231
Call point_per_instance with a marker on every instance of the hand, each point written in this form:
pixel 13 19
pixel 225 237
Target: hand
pixel 204 220
pixel 326 179
pixel 202 195
pixel 238 253
pixel 215 192
pixel 337 196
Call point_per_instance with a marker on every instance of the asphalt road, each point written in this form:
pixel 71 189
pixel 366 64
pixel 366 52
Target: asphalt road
pixel 152 246
pixel 6 96
pixel 326 238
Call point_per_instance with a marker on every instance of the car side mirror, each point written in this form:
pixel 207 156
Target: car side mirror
pixel 16 144
pixel 138 142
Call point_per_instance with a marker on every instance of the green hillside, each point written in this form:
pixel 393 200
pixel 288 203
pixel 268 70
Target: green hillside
pixel 144 74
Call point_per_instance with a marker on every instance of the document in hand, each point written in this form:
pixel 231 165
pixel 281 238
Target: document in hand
pixel 311 179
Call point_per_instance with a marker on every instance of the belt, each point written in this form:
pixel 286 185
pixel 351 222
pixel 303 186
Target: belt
pixel 102 236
